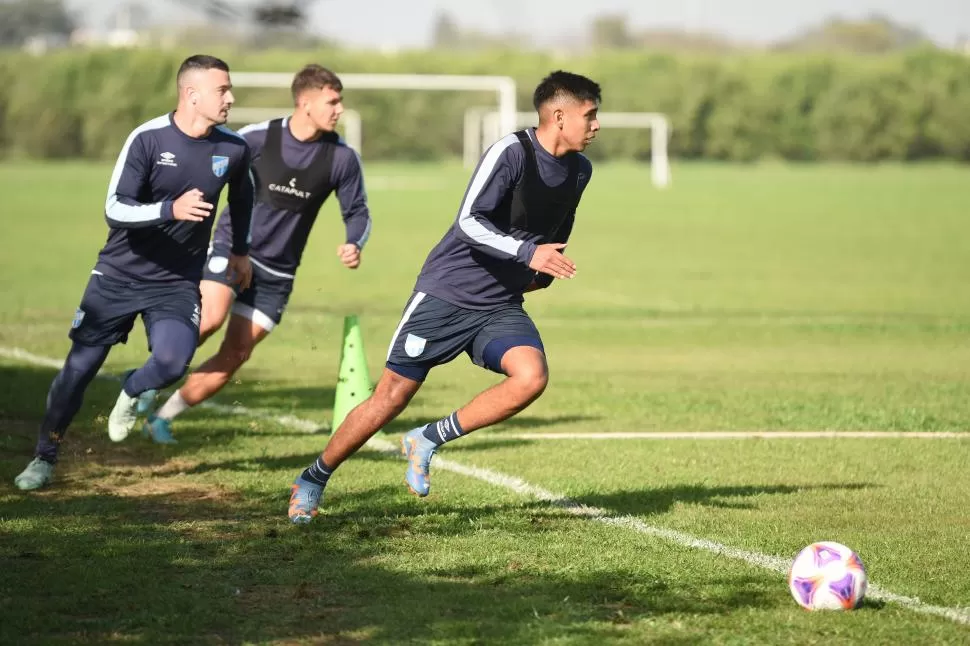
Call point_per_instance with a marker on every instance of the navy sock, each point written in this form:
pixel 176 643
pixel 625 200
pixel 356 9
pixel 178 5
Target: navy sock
pixel 66 395
pixel 173 345
pixel 444 430
pixel 318 472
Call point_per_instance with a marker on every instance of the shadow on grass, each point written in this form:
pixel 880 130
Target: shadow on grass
pixel 198 565
pixel 660 500
pixel 174 558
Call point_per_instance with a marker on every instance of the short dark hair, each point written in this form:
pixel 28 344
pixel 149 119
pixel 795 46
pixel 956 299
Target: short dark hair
pixel 315 77
pixel 200 62
pixel 560 83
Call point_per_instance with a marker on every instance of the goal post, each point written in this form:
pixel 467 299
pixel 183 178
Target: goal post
pixel 503 87
pixel 486 130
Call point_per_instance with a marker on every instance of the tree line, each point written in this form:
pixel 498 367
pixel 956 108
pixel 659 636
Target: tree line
pixel 907 106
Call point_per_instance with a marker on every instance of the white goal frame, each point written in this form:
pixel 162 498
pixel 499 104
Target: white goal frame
pixel 350 119
pixel 503 86
pixel 482 129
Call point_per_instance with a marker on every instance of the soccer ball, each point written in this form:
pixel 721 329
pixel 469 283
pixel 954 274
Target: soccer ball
pixel 827 576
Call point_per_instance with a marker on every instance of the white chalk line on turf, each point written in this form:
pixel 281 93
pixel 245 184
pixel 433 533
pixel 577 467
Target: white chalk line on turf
pixel 291 421
pixel 766 561
pixel 736 435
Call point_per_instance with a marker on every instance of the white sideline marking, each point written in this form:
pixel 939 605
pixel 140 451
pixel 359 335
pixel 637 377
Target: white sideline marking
pixel 297 423
pixel 734 435
pixel 766 561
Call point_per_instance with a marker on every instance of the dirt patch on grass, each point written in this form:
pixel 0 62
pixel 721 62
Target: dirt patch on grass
pixel 178 490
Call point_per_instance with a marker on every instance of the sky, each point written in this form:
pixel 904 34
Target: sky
pixel 407 23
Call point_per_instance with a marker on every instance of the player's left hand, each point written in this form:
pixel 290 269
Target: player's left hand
pixel 349 255
pixel 240 270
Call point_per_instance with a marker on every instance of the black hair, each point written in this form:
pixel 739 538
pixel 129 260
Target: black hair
pixel 200 62
pixel 560 83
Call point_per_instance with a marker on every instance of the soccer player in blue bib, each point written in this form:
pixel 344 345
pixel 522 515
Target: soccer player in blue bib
pixel 298 162
pixel 508 238
pixel 168 176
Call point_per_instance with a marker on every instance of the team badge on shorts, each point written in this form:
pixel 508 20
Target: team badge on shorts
pixel 218 264
pixel 414 345
pixel 220 164
pixel 78 318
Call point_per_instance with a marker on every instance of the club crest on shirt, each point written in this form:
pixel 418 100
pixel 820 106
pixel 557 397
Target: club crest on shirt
pixel 414 345
pixel 78 318
pixel 220 164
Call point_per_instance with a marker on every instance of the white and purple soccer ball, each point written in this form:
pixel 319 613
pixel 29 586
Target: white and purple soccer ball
pixel 827 576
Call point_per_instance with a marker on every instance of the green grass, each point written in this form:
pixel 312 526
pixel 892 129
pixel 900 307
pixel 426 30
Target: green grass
pixel 743 298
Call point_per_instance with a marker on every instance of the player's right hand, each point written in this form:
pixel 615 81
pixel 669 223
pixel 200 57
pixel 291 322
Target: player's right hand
pixel 191 207
pixel 240 271
pixel 549 260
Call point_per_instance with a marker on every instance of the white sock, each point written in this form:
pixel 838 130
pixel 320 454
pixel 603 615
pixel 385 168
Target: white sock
pixel 172 407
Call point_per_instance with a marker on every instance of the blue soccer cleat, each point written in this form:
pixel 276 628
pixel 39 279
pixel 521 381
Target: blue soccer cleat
pixel 145 400
pixel 305 497
pixel 159 430
pixel 418 450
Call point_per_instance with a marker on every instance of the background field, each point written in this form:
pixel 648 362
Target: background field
pixel 764 297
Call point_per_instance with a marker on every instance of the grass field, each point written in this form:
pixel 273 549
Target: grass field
pixel 757 298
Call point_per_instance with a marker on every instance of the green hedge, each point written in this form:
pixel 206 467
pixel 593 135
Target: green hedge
pixel 744 107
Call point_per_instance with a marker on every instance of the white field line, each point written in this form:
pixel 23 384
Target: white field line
pixel 736 435
pixel 773 563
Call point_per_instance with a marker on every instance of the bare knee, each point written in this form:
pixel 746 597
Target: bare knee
pixel 394 392
pixel 527 371
pixel 530 381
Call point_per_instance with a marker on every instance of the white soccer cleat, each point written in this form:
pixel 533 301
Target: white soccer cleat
pixel 37 474
pixel 123 417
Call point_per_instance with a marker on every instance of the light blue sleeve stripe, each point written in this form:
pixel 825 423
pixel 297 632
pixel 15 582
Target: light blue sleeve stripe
pixel 365 235
pixel 468 223
pixel 114 209
pixel 253 127
pixel 252 182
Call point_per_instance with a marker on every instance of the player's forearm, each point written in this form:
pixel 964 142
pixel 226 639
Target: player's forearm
pixel 126 213
pixel 478 232
pixel 241 232
pixel 358 229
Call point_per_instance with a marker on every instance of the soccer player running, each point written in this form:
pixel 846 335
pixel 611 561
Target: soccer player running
pixel 168 176
pixel 513 223
pixel 297 162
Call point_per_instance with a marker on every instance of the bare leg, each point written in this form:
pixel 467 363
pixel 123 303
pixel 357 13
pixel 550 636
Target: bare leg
pixel 527 377
pixel 391 396
pixel 241 338
pixel 216 301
